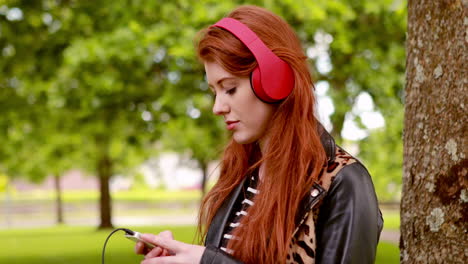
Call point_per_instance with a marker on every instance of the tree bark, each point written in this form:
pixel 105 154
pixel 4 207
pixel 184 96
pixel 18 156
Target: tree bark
pixel 104 168
pixel 58 199
pixel 434 206
pixel 203 166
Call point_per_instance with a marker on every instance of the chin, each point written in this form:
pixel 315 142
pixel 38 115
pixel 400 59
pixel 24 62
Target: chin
pixel 242 139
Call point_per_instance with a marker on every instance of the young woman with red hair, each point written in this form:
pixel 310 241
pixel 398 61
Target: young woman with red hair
pixel 286 192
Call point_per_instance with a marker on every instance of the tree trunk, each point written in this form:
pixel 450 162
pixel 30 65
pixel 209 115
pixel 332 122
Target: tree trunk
pixel 104 168
pixel 58 199
pixel 203 166
pixel 434 206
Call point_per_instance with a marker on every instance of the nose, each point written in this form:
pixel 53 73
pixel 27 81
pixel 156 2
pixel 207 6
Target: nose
pixel 220 107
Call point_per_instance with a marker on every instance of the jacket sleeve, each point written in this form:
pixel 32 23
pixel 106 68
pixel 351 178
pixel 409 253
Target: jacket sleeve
pixel 214 255
pixel 349 221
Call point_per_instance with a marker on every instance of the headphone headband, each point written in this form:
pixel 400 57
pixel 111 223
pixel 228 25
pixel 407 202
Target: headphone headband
pixel 273 79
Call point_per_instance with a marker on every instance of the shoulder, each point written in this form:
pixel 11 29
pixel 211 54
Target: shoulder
pixel 349 220
pixel 348 185
pixel 351 192
pixel 338 164
pixel 350 176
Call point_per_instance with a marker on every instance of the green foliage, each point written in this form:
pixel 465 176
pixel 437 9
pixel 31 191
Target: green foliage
pixel 199 132
pixel 382 153
pixel 80 80
pixel 139 182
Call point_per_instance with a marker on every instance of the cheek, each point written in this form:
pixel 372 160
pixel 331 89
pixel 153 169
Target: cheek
pixel 256 113
pixel 263 115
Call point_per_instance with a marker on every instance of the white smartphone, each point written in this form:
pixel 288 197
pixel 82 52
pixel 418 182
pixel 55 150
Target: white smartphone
pixel 136 237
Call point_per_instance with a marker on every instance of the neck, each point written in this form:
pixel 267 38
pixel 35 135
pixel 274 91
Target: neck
pixel 263 145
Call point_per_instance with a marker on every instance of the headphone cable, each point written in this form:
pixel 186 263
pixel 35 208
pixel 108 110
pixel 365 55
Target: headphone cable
pixel 127 231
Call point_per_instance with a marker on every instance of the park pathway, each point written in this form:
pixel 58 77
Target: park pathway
pixel 392 236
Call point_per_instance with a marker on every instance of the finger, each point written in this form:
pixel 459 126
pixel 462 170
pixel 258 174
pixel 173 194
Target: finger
pixel 143 249
pixel 155 252
pixel 167 253
pixel 166 234
pixel 149 237
pixel 140 248
pixel 170 244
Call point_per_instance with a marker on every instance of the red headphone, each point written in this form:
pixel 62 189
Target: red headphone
pixel 273 79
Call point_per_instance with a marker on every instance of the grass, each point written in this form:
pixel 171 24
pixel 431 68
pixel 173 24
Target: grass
pixel 387 253
pixel 73 245
pixel 66 244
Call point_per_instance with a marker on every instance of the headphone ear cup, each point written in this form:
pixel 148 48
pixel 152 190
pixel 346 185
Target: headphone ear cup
pixel 255 81
pixel 271 71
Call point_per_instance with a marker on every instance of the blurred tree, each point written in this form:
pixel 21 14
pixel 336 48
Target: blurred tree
pixel 36 149
pixel 199 134
pixel 115 76
pixel 382 151
pixel 434 208
pixel 115 79
pixel 44 74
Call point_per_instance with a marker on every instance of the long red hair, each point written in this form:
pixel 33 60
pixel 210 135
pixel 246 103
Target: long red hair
pixel 294 156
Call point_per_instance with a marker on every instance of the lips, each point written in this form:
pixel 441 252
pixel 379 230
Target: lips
pixel 230 125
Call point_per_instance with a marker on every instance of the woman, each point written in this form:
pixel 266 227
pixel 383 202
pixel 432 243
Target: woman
pixel 282 177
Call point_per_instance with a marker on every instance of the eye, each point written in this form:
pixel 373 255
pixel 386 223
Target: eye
pixel 231 91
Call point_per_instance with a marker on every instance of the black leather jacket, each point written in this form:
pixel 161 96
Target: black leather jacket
pixel 348 225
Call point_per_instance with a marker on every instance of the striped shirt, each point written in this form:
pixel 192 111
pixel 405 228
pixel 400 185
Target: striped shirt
pixel 242 204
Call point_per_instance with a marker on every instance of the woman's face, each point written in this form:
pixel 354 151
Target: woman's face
pixel 244 114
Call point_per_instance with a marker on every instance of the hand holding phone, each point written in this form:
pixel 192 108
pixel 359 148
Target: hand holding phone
pixel 136 236
pixel 149 249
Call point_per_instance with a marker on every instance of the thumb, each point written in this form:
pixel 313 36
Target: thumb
pixel 164 242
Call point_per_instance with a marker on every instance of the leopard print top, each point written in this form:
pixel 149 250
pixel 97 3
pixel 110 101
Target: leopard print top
pixel 302 248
